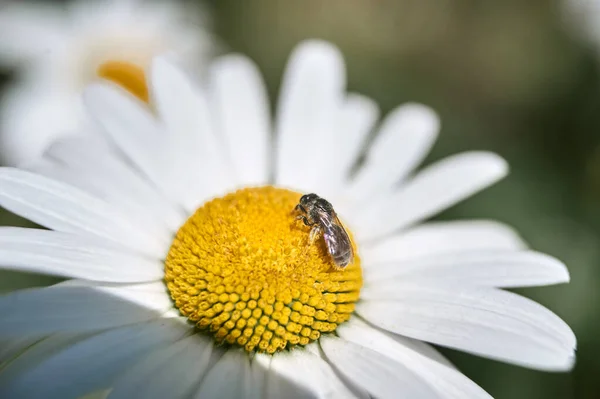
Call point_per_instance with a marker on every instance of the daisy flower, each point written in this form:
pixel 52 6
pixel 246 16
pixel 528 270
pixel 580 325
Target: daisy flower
pixel 188 274
pixel 58 49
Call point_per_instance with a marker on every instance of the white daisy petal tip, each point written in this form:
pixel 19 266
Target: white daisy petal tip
pixel 432 190
pixel 235 66
pixel 556 270
pixel 318 50
pixel 491 164
pixel 365 107
pixel 568 363
pixel 487 167
pixel 507 235
pixel 404 138
pixel 315 56
pixel 232 63
pixel 318 56
pixel 421 117
pixel 563 362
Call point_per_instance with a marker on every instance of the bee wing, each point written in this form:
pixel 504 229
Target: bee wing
pixel 337 239
pixel 338 243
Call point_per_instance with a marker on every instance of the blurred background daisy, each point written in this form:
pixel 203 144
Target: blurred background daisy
pixel 517 78
pixel 55 49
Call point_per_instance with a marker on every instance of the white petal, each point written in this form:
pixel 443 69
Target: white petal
pixel 106 174
pixel 441 238
pixel 447 381
pixel 73 256
pixel 420 347
pixel 507 269
pixel 196 158
pixel 357 117
pixel 152 296
pixel 310 102
pixel 93 363
pixel 241 105
pixel 404 139
pixel 80 149
pixel 10 349
pixel 29 31
pixel 170 371
pixel 232 377
pixel 485 321
pixel 258 381
pixel 79 307
pixel 40 351
pixel 32 116
pixel 129 124
pixel 67 209
pixel 102 187
pixel 434 189
pixel 260 367
pixel 299 373
pixel 378 374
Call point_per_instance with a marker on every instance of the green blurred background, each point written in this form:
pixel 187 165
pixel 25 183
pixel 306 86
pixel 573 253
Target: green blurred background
pixel 509 76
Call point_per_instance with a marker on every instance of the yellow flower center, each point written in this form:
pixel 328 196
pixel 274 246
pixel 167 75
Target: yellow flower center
pixel 127 75
pixel 243 269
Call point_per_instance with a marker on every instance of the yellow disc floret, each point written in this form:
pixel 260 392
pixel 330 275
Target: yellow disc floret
pixel 242 268
pixel 127 75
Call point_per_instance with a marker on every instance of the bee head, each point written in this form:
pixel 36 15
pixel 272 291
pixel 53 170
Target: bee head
pixel 308 200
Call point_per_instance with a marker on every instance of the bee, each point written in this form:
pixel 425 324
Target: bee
pixel 318 213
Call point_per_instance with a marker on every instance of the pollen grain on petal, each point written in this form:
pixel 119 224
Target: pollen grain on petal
pixel 243 270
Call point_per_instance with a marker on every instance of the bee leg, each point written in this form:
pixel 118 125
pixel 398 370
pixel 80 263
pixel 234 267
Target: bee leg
pixel 313 234
pixel 305 220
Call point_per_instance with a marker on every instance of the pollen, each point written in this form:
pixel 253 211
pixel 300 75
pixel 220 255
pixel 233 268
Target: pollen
pixel 243 270
pixel 129 76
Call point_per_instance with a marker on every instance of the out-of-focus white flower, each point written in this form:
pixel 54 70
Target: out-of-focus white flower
pixel 59 49
pixel 583 18
pixel 188 213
